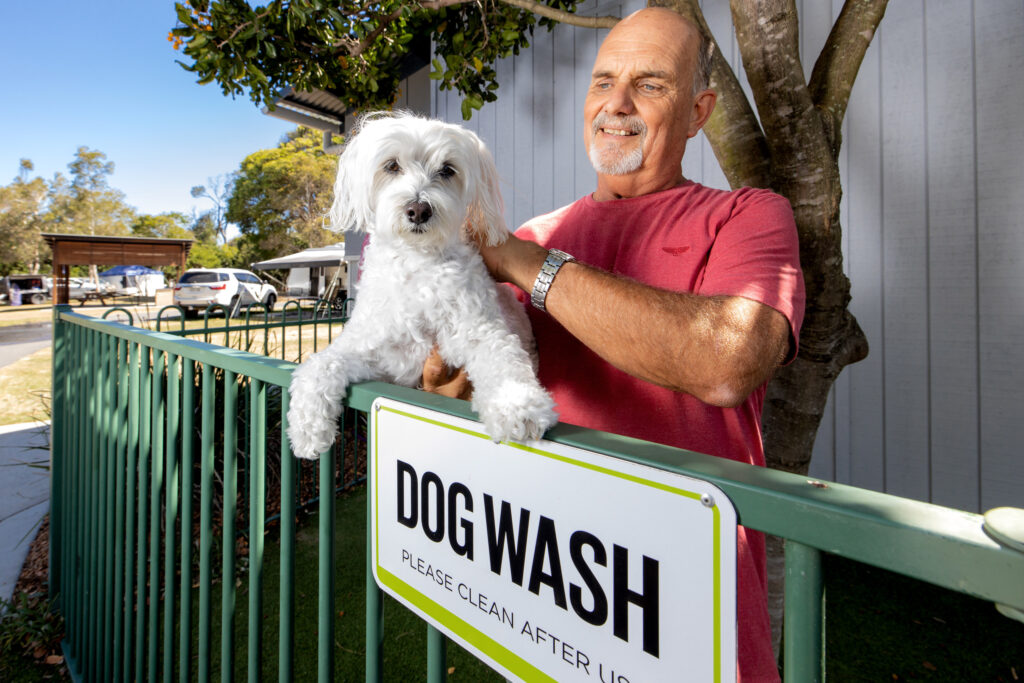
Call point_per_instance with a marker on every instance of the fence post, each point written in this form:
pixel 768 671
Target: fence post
pixel 286 628
pixel 803 645
pixel 58 369
pixel 230 502
pixel 325 631
pixel 437 651
pixel 374 602
pixel 257 521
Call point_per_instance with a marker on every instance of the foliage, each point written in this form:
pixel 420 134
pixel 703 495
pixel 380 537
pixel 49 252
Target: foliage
pixel 29 627
pixel 281 196
pixel 205 255
pixel 22 205
pixel 352 49
pixel 172 225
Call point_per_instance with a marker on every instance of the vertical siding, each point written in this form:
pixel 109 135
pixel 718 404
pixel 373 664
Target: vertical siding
pixel 863 462
pixel 904 345
pixel 952 255
pixel 932 218
pixel 999 178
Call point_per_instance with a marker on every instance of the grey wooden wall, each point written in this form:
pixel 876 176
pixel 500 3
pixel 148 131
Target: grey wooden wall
pixel 933 218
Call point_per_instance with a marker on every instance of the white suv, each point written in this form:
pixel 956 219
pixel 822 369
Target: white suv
pixel 197 288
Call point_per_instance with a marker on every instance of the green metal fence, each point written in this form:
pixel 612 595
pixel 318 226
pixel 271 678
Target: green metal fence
pixel 159 439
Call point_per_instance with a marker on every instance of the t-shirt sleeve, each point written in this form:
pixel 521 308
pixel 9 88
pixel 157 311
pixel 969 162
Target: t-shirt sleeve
pixel 756 255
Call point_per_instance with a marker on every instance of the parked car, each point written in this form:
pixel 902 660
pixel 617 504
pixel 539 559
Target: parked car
pixel 33 289
pixel 197 288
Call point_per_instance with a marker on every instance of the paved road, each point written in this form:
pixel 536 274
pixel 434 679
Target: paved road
pixel 25 480
pixel 17 341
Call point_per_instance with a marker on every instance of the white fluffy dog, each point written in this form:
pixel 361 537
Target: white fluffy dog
pixel 418 187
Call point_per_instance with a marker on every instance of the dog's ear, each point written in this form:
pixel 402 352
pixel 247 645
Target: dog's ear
pixel 486 214
pixel 352 209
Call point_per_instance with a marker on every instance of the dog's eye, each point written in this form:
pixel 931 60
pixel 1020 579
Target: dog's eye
pixel 446 171
pixel 391 166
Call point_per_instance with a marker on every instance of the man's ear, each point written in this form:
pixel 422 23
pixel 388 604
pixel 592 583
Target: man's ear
pixel 703 105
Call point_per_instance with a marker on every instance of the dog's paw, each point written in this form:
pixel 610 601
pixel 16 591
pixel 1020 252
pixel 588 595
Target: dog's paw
pixel 312 418
pixel 516 412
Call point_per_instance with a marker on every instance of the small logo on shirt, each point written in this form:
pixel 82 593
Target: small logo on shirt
pixel 676 251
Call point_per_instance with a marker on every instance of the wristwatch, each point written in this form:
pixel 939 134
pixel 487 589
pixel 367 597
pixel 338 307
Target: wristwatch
pixel 555 260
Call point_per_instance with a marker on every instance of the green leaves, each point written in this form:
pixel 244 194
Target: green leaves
pixel 353 50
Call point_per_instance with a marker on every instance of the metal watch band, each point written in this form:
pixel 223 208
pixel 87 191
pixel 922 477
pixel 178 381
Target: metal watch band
pixel 555 260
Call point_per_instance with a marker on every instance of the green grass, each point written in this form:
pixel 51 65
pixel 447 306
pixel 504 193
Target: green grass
pixel 25 389
pixel 882 626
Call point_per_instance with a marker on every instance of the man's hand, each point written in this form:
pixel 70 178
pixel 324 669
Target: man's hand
pixel 515 260
pixel 438 378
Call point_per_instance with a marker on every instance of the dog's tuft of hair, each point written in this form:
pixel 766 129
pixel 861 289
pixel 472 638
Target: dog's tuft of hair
pixel 426 192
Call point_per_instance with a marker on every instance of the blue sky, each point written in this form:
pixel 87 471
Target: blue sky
pixel 103 75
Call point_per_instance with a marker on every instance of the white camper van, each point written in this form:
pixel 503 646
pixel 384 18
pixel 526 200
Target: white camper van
pixel 319 272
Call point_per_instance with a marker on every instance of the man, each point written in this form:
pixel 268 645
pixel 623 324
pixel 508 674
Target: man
pixel 681 300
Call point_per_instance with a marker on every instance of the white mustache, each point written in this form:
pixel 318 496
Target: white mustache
pixel 634 124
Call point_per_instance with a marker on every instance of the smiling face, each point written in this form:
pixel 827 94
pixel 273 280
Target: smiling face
pixel 640 108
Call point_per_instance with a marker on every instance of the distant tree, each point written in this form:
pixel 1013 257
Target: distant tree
pixel 204 228
pixel 281 196
pixel 218 191
pixel 87 205
pixel 22 218
pixel 205 255
pixel 171 225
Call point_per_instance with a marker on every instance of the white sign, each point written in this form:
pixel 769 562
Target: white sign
pixel 550 562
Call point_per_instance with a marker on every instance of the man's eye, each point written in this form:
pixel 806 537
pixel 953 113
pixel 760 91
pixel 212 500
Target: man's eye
pixel 391 166
pixel 446 171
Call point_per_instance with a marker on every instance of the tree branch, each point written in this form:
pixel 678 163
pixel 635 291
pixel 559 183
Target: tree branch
pixel 733 130
pixel 837 65
pixel 240 27
pixel 367 40
pixel 767 32
pixel 537 8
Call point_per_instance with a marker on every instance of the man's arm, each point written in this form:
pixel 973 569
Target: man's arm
pixel 718 349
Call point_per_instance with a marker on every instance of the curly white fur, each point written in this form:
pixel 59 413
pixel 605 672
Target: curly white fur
pixel 418 186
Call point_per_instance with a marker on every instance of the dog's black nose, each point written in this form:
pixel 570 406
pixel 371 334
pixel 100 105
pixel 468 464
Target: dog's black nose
pixel 418 212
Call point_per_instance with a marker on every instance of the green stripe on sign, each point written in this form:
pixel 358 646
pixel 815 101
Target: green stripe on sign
pixel 473 636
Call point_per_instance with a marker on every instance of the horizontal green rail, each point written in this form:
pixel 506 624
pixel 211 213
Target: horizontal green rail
pixel 942 546
pixel 155 436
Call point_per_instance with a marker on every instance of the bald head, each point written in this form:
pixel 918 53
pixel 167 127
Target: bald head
pixel 661 21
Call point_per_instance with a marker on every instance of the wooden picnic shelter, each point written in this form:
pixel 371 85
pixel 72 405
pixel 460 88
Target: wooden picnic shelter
pixel 103 250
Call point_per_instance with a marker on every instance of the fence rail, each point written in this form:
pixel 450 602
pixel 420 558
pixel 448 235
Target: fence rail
pixel 168 450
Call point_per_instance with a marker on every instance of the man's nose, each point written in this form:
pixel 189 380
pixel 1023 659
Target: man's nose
pixel 619 100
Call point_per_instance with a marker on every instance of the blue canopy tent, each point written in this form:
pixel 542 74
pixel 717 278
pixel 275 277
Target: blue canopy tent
pixel 119 271
pixel 132 280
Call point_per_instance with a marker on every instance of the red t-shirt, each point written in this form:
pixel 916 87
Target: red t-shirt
pixel 695 239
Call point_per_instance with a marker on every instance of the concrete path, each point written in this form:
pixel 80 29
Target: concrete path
pixel 24 495
pixel 22 340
